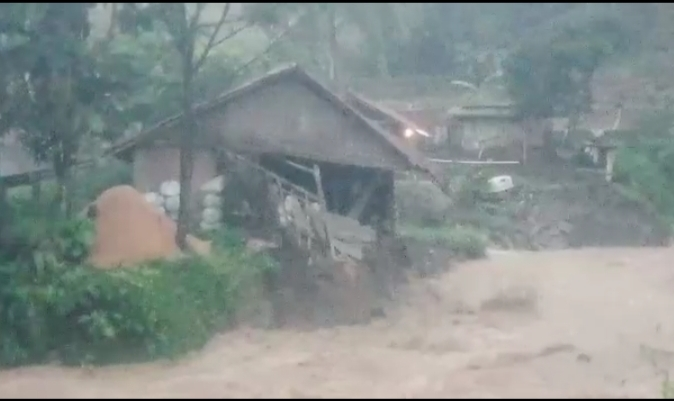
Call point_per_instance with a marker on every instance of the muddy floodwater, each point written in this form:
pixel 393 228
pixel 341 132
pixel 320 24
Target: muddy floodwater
pixel 582 323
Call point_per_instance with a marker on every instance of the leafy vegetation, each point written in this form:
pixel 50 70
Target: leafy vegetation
pixel 553 78
pixel 646 165
pixel 462 241
pixel 56 306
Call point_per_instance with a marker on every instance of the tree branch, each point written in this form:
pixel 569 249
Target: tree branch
pixel 211 40
pixel 194 21
pixel 113 22
pixel 230 35
pixel 271 44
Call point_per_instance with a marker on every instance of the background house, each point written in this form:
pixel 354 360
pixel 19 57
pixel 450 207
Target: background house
pixel 485 127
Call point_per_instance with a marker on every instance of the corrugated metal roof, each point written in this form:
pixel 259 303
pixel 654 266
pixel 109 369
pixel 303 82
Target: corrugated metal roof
pixel 293 71
pixel 487 96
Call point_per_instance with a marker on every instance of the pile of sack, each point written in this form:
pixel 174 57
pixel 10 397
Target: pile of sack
pixel 211 213
pixel 167 201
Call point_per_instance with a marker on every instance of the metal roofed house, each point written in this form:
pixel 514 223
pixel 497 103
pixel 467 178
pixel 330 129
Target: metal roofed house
pixel 485 126
pixel 310 143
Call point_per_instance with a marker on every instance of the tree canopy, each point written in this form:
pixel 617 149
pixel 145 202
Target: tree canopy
pixel 553 77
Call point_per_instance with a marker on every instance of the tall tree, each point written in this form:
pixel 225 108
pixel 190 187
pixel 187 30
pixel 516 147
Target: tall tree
pixel 193 34
pixel 57 88
pixel 322 25
pixel 553 78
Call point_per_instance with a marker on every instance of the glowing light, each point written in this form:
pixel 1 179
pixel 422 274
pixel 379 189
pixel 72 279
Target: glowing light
pixel 423 133
pixel 409 132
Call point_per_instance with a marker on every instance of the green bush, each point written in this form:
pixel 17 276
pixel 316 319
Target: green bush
pixel 90 182
pixel 646 165
pixel 472 187
pixel 464 242
pixel 421 203
pixel 53 305
pixel 94 180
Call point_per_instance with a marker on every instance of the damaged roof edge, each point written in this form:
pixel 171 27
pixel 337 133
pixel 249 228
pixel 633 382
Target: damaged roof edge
pixel 386 112
pixel 413 158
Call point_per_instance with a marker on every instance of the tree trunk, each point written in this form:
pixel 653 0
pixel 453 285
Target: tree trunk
pixel 4 216
pixel 187 134
pixel 333 49
pixel 57 207
pixel 68 192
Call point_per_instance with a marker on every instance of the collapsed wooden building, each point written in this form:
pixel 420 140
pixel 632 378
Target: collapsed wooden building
pixel 328 169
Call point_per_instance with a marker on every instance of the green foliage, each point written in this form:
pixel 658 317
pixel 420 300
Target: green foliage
pixel 646 165
pixel 463 241
pixel 471 187
pixel 70 91
pixel 413 55
pixel 667 389
pixel 157 310
pixel 52 305
pixel 421 203
pixel 553 78
pixel 91 182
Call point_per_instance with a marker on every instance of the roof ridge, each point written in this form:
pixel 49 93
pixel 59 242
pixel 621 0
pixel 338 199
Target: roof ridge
pixel 411 156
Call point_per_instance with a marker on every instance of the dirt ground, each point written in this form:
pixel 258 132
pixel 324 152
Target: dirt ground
pixel 581 323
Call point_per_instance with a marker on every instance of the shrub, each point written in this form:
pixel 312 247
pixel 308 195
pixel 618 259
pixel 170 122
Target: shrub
pixel 646 165
pixel 52 304
pixel 472 187
pixel 421 203
pixel 464 242
pixel 92 181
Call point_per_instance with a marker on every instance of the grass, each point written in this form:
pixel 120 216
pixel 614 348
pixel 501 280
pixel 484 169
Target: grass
pixel 463 241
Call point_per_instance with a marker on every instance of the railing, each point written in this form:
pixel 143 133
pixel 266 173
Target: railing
pixel 342 236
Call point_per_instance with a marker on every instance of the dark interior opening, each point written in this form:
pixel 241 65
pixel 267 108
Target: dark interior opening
pixel 342 184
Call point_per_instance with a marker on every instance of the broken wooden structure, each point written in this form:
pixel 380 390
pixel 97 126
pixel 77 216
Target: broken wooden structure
pixel 329 170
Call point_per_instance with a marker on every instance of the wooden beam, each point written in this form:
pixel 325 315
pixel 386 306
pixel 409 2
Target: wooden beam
pixel 280 179
pixel 323 226
pixel 484 162
pixel 316 172
pixel 301 167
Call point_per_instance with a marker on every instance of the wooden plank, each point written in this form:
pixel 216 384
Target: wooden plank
pixel 319 224
pixel 316 172
pixel 346 228
pixel 300 167
pixel 350 250
pixel 283 181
